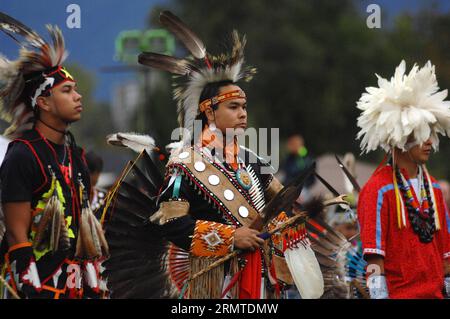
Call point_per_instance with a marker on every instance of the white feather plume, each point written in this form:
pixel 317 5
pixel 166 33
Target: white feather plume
pixel 174 147
pixel 134 141
pixel 407 104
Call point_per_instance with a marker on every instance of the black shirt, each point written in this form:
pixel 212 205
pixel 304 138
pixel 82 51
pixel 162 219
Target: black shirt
pixel 20 173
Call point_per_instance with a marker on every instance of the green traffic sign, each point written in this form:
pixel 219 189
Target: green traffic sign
pixel 132 42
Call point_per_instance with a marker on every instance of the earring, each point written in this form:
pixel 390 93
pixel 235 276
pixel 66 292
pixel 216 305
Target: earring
pixel 212 126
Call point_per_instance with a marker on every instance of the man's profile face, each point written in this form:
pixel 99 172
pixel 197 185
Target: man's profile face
pixel 421 153
pixel 65 102
pixel 231 114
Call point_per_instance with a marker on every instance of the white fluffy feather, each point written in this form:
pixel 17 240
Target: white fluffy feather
pixel 407 104
pixel 174 147
pixel 134 141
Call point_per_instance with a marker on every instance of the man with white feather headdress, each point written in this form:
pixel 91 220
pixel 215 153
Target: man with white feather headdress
pixel 53 242
pixel 405 228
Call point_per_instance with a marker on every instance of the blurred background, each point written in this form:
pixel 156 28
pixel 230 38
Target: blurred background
pixel 314 60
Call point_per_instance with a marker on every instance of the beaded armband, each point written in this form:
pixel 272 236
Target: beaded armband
pixel 212 239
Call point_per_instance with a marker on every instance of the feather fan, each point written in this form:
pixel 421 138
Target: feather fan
pixel 142 263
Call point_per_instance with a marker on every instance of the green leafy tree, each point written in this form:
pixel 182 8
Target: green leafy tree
pixel 314 60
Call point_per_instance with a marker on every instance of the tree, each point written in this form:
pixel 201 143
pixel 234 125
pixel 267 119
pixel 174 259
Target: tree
pixel 315 58
pixel 96 123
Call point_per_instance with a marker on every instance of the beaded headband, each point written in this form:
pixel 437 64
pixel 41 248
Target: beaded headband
pixel 221 98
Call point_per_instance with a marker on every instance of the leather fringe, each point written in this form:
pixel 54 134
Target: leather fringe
pixel 210 284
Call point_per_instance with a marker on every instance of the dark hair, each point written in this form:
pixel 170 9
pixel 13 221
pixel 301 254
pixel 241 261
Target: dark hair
pixel 94 162
pixel 209 91
pixel 32 82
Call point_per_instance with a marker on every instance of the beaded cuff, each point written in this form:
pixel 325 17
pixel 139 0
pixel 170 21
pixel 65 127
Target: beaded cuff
pixel 212 239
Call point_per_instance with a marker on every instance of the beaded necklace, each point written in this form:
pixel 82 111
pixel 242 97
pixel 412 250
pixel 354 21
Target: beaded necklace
pixel 421 217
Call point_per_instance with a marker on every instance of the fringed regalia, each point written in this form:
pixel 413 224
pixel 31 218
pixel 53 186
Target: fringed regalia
pixel 170 225
pixel 65 241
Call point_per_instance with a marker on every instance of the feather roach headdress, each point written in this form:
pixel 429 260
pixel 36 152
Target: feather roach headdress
pixel 37 70
pixel 407 104
pixel 195 72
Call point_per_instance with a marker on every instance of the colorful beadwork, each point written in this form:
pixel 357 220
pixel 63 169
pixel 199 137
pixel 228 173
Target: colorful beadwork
pixel 212 239
pixel 421 217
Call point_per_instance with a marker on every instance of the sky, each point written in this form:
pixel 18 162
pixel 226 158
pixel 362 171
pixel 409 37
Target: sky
pixel 92 46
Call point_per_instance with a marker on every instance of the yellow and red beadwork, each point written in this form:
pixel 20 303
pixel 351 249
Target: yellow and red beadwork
pixel 212 239
pixel 277 238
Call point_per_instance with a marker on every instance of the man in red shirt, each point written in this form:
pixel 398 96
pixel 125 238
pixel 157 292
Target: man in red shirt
pixel 405 225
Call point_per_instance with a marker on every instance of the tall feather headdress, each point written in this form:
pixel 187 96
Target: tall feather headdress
pixel 36 57
pixel 195 72
pixel 407 104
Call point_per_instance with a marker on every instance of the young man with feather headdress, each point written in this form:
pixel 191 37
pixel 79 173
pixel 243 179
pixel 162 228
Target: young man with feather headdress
pixel 206 206
pixel 405 227
pixel 52 240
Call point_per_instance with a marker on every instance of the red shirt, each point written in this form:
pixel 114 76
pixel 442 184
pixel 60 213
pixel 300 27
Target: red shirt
pixel 413 269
